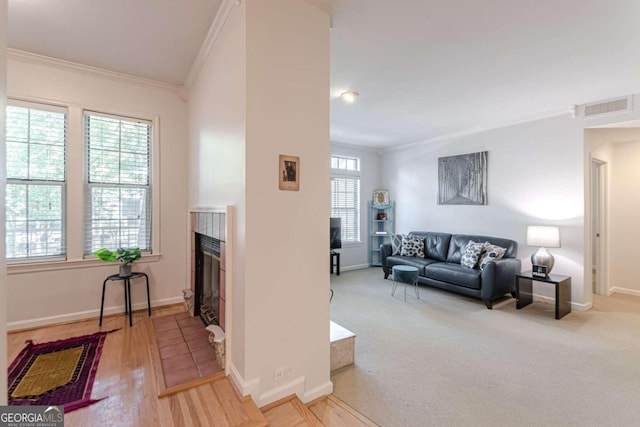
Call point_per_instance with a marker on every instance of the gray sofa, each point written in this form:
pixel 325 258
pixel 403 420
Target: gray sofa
pixel 441 266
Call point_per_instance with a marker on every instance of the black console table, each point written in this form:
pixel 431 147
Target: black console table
pixel 335 261
pixel 524 291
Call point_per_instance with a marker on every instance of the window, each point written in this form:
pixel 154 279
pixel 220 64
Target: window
pixel 36 175
pixel 118 182
pixel 345 196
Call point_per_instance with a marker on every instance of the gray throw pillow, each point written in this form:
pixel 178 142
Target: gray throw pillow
pixel 412 246
pixel 471 254
pixel 490 253
pixel 396 243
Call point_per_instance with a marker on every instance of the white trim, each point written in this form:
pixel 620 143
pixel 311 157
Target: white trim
pixel 214 209
pixel 295 386
pixel 320 391
pixel 209 42
pixel 354 267
pixel 625 291
pixel 480 129
pixel 34 267
pixel 89 314
pixel 251 387
pixel 32 58
pixel 552 301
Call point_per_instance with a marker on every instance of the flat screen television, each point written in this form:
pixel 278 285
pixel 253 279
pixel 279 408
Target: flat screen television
pixel 335 233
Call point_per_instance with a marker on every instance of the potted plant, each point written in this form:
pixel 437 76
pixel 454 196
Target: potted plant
pixel 125 256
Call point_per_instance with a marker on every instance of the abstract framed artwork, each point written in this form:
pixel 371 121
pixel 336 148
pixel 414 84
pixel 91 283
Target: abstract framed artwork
pixel 289 173
pixel 462 180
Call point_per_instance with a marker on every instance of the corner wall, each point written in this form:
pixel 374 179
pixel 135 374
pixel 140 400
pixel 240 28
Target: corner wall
pixel 3 266
pixel 72 290
pixel 353 256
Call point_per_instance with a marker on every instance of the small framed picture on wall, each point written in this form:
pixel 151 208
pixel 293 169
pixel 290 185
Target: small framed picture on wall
pixel 289 173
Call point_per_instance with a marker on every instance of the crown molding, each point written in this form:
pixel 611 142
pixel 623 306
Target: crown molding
pixel 34 58
pixel 480 129
pixel 209 42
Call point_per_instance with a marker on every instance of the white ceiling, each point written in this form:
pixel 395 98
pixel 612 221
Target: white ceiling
pixel 155 39
pixel 424 68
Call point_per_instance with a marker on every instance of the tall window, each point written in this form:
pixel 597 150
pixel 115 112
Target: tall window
pixel 118 185
pixel 345 195
pixel 35 191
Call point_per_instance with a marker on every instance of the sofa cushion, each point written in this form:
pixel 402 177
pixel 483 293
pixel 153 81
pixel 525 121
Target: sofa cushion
pixel 436 245
pixel 396 243
pixel 454 273
pixel 471 254
pixel 412 246
pixel 490 253
pixel 419 263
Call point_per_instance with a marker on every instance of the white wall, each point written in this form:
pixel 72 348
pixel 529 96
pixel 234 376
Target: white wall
pixel 73 289
pixel 357 255
pixel 536 175
pixel 264 92
pixel 3 269
pixel 624 225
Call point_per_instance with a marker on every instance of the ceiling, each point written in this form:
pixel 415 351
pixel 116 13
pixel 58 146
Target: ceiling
pixel 424 69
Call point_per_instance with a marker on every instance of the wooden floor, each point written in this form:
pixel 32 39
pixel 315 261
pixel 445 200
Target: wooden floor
pixel 129 376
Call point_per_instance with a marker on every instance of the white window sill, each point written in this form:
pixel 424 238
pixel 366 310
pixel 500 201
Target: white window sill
pixel 351 244
pixel 34 267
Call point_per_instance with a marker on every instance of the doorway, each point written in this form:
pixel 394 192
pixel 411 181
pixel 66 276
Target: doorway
pixel 599 226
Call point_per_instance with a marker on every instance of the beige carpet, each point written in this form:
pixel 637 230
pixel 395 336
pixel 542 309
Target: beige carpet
pixel 445 360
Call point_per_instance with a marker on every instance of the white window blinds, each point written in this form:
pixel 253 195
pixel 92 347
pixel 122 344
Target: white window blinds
pixel 345 203
pixel 35 190
pixel 118 182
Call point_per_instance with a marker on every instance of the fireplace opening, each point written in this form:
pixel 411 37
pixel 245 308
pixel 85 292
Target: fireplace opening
pixel 207 280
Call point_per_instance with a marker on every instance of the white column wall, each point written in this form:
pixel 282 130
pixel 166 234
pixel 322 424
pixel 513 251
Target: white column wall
pixel 287 275
pixel 264 92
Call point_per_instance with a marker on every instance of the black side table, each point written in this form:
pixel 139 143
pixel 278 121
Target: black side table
pixel 127 292
pixel 524 291
pixel 335 261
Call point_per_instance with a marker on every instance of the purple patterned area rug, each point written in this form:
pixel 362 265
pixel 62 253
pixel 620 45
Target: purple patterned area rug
pixel 57 372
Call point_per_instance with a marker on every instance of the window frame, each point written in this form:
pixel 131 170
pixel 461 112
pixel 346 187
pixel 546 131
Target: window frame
pixel 88 186
pixel 354 174
pixel 75 258
pixel 26 182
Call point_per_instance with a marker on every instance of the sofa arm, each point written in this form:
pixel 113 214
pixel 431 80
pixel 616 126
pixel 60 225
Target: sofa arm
pixel 385 251
pixel 499 278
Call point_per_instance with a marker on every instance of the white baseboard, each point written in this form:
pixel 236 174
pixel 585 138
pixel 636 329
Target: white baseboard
pixel 251 387
pixel 322 390
pixel 354 267
pixel 82 315
pixel 295 386
pixel 574 305
pixel 625 291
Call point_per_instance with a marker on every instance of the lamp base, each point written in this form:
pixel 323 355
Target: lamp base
pixel 543 257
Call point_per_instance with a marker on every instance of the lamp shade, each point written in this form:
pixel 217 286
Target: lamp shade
pixel 543 236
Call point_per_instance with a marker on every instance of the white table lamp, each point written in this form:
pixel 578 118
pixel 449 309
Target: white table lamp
pixel 543 237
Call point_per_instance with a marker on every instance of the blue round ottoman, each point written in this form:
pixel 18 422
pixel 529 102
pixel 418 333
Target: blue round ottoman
pixel 404 274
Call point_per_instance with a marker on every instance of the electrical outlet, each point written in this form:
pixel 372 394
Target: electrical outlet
pixel 281 373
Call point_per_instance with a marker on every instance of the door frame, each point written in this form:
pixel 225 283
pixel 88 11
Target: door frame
pixel 600 248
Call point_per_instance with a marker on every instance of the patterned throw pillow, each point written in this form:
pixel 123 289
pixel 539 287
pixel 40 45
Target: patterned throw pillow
pixel 412 246
pixel 471 254
pixel 490 253
pixel 396 243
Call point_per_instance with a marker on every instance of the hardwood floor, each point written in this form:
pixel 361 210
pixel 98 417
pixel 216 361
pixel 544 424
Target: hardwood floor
pixel 129 377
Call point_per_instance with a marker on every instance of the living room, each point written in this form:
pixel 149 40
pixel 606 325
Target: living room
pixel 538 174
